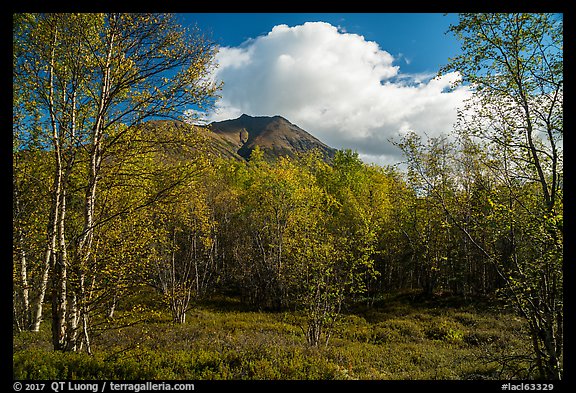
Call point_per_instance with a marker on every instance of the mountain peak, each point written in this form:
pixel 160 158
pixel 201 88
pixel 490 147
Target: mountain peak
pixel 275 135
pixel 260 119
pixel 245 116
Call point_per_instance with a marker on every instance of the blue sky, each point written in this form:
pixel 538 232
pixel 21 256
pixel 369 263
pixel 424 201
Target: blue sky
pixel 353 80
pixel 419 37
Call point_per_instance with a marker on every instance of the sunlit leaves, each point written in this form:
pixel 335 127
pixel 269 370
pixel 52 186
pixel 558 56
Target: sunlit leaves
pixel 81 83
pixel 514 64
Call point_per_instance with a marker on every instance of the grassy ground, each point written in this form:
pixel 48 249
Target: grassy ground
pixel 401 337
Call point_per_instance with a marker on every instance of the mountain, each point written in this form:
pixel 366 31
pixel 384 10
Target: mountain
pixel 275 135
pixel 236 138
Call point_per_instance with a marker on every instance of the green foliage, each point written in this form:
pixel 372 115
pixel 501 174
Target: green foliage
pixel 81 84
pixel 514 61
pixel 124 207
pixel 445 331
pixel 406 341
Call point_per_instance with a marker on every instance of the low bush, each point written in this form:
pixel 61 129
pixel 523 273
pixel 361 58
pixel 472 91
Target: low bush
pixel 397 342
pixel 445 331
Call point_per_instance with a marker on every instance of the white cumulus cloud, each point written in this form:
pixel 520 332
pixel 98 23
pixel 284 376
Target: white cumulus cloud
pixel 344 90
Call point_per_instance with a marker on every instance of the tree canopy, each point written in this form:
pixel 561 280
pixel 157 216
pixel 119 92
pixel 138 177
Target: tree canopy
pixel 109 201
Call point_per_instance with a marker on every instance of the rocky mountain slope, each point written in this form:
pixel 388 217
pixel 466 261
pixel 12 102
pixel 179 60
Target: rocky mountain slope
pixel 275 135
pixel 236 138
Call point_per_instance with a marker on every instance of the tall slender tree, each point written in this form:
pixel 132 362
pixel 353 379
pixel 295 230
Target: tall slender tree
pixel 514 64
pixel 92 78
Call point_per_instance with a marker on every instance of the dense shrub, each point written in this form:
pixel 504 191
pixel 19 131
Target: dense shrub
pixel 445 331
pixel 398 342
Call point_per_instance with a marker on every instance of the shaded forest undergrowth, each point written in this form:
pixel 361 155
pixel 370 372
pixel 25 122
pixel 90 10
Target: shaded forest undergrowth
pixel 401 336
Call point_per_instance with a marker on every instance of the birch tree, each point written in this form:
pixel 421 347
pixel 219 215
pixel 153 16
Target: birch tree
pixel 514 64
pixel 92 78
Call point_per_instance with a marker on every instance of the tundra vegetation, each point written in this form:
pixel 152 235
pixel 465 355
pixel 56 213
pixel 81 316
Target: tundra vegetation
pixel 140 254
